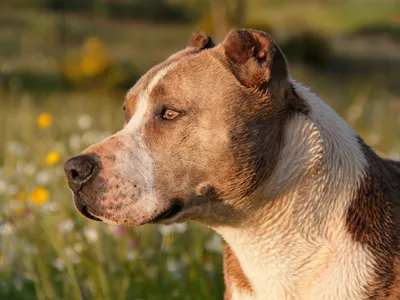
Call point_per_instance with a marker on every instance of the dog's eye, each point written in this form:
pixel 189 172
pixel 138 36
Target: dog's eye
pixel 169 114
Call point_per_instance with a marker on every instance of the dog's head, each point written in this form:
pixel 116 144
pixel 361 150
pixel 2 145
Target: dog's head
pixel 202 131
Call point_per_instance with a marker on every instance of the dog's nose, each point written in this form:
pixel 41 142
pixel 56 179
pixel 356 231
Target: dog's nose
pixel 80 169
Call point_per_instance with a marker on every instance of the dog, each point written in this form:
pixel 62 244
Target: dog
pixel 221 134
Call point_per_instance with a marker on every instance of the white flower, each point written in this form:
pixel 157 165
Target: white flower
pixel 72 255
pixel 66 226
pixel 43 177
pixel 15 148
pixel 78 247
pixel 91 235
pixel 90 137
pixel 215 244
pixel 166 229
pixel 59 264
pixel 131 255
pixel 180 227
pixel 75 142
pixel 12 189
pixel 49 206
pixel 6 229
pixel 3 186
pixel 84 121
pixel 172 266
pixel 29 169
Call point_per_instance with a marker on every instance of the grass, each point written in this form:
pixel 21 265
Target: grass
pixel 47 251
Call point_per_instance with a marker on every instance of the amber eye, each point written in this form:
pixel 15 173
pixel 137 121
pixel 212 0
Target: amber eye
pixel 170 114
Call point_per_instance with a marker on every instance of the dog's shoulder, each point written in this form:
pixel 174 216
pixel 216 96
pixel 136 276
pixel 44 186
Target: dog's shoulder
pixel 373 221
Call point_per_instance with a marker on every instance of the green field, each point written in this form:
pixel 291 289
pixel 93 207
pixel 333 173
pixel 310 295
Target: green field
pixel 55 100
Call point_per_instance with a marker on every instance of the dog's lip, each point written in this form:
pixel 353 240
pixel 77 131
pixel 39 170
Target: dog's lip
pixel 85 211
pixel 169 213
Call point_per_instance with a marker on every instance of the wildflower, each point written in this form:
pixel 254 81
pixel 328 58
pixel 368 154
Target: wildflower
pixel 132 244
pixel 15 148
pixel 172 265
pixel 119 231
pixel 6 228
pixel 43 177
pixel 74 142
pixel 22 195
pixel 29 169
pixel 215 244
pixel 131 255
pixel 91 235
pixel 72 255
pixel 94 58
pixel 12 189
pixel 44 120
pixel 3 186
pixel 20 211
pixel 59 264
pixel 52 158
pixel 84 121
pixel 39 195
pixel 78 247
pixel 66 226
pixel 50 207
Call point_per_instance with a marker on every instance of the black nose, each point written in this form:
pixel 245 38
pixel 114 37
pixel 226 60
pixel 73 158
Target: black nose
pixel 80 169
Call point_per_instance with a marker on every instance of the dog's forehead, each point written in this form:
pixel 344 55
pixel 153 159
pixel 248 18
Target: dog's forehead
pixel 173 73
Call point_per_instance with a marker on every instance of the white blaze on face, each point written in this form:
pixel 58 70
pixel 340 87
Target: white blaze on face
pixel 143 166
pixel 137 119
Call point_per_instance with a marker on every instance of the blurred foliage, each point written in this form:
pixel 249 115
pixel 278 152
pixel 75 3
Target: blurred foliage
pixel 308 47
pixel 64 69
pixel 153 10
pixel 92 66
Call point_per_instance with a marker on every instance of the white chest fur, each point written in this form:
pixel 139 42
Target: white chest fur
pixel 297 246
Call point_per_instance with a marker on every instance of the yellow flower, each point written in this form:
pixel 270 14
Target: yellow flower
pixel 52 158
pixel 44 120
pixel 39 195
pixel 95 59
pixel 20 211
pixel 22 195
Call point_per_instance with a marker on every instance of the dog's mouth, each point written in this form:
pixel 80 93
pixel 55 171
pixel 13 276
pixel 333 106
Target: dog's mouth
pixel 171 212
pixel 84 211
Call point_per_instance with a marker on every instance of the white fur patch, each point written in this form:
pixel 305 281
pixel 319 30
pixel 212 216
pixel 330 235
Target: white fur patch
pixel 144 165
pixel 297 246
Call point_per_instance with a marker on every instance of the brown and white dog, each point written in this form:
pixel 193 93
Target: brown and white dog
pixel 222 135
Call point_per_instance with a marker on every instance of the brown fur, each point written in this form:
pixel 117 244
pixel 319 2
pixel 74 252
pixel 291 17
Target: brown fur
pixel 233 275
pixel 215 154
pixel 372 220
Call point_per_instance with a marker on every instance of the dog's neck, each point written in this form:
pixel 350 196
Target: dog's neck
pixel 295 242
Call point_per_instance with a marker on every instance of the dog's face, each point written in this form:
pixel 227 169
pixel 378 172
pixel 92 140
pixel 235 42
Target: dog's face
pixel 202 131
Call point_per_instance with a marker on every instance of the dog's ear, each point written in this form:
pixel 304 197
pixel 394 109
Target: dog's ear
pixel 254 57
pixel 201 41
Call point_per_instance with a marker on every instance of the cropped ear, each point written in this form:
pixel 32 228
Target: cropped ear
pixel 201 41
pixel 254 57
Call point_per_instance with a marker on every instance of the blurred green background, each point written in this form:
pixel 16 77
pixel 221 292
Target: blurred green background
pixel 64 68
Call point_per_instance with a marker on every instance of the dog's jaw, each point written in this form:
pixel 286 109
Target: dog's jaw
pixel 298 237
